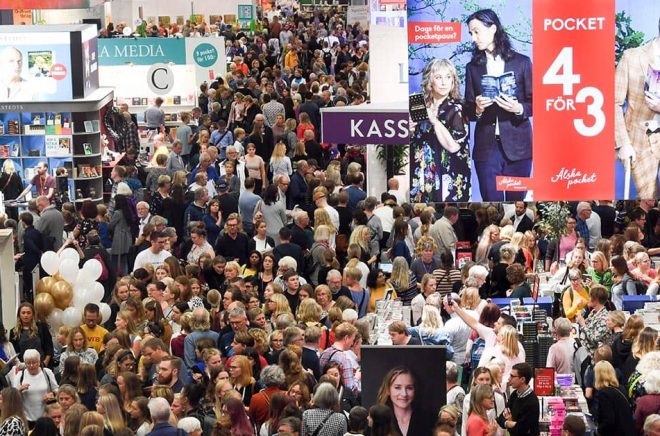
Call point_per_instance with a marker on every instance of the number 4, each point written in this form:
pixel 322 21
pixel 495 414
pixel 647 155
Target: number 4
pixel 563 61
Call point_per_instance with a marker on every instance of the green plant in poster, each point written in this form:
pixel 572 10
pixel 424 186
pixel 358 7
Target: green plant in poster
pixel 626 37
pixel 399 157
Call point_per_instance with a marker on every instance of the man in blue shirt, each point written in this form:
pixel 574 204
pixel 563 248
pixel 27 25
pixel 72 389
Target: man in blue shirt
pixel 583 214
pixel 355 192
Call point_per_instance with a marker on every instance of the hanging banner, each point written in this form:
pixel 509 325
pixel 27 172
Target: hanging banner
pixel 366 125
pixel 539 121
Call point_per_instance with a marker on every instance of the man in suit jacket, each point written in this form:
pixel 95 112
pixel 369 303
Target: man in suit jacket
pixel 521 222
pixel 50 224
pixel 297 193
pixel 503 135
pixel 631 139
pixel 443 231
pixel 33 249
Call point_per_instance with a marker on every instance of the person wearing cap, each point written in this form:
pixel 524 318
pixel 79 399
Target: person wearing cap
pixel 228 203
pixel 320 198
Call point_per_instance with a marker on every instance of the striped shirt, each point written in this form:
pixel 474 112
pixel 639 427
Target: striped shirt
pixel 445 281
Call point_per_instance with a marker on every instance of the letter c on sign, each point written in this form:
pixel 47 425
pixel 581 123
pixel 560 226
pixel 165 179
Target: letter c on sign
pixel 160 79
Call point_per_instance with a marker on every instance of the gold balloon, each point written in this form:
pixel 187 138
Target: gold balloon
pixel 45 284
pixel 62 294
pixel 44 305
pixel 58 277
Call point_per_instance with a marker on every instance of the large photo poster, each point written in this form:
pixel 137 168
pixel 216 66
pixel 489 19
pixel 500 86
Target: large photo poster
pixel 533 99
pixel 34 70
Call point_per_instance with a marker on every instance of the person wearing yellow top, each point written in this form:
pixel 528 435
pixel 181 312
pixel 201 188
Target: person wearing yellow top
pixel 576 296
pixel 94 332
pixel 379 289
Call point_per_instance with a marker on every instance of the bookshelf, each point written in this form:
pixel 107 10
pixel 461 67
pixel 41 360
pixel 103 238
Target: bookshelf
pixel 63 134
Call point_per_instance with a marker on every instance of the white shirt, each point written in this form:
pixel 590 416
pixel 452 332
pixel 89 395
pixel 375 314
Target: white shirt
pixel 459 333
pixel 593 224
pixel 144 221
pixel 400 197
pixel 33 396
pixel 334 215
pixel 386 215
pixel 146 256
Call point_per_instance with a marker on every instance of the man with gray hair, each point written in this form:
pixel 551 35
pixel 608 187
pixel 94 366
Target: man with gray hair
pixel 190 425
pixel 335 283
pixel 197 209
pixel 174 159
pixel 583 213
pixel 159 409
pixel 142 208
pixel 200 326
pixel 300 231
pixel 50 224
pixel 273 378
pixel 560 355
pixel 238 322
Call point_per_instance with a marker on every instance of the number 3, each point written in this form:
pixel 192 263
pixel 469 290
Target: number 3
pixel 595 109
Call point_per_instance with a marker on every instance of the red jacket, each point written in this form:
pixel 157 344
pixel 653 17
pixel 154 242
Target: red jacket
pixel 260 404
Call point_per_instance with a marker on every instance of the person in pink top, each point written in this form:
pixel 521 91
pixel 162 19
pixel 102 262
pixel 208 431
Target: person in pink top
pixel 482 399
pixel 560 356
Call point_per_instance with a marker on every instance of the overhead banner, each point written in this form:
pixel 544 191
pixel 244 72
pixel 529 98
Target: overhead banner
pixel 50 4
pixel 206 55
pixel 365 125
pixel 520 100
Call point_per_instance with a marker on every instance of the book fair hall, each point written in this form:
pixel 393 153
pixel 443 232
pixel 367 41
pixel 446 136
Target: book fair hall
pixel 329 218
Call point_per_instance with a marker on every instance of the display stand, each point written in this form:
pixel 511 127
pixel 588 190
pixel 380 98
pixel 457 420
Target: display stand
pixel 63 134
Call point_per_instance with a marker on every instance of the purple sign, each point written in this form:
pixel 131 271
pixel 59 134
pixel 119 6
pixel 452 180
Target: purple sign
pixel 348 127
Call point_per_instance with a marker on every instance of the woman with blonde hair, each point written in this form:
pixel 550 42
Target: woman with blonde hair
pixel 322 218
pixel 426 221
pixel 614 415
pixel 403 280
pixel 482 400
pixel 108 406
pixel 280 163
pixel 507 349
pixel 645 342
pixel 240 376
pixel 361 236
pixel 125 321
pixel 278 305
pixel 625 333
pixel 430 330
pixel 76 345
pixel 599 271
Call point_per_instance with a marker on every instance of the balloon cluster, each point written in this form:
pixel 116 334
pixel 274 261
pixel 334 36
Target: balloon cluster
pixel 61 298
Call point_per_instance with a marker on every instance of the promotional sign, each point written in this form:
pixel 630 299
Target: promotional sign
pixel 50 4
pixel 544 382
pixel 358 14
pixel 421 369
pixel 22 16
pixel 35 66
pixel 542 120
pixel 205 55
pixel 346 125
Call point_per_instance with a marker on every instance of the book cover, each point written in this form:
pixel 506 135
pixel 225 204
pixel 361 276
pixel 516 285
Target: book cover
pixel 136 101
pixel 417 108
pixel 492 86
pixel 177 99
pixel 145 101
pixel 652 82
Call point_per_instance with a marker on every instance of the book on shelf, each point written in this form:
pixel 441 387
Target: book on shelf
pixel 2 128
pixel 87 148
pixel 89 128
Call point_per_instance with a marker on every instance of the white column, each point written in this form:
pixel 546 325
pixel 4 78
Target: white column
pixel 8 299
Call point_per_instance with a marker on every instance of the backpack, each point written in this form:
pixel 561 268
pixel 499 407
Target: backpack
pixel 581 362
pixel 476 351
pixel 105 274
pixel 327 58
pixel 640 287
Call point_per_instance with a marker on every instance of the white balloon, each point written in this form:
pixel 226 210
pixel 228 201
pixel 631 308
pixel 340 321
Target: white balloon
pixel 84 277
pixel 69 270
pixel 55 319
pixel 70 253
pixel 81 296
pixel 127 31
pixel 96 292
pixel 94 268
pixel 72 317
pixel 105 312
pixel 50 262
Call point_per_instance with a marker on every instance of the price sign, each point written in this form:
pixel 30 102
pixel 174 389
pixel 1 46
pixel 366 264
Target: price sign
pixel 573 99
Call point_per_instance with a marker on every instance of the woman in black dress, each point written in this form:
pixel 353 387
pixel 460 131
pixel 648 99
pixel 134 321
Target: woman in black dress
pixel 440 144
pixel 11 185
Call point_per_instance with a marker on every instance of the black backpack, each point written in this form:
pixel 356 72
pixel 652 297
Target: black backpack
pixel 327 58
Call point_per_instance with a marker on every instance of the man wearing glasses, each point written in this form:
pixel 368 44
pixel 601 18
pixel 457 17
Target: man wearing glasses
pixel 233 244
pixel 156 254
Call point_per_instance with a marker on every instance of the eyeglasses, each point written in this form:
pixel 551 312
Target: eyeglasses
pixel 575 279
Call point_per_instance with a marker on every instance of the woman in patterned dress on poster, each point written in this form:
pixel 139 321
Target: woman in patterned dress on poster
pixel 440 144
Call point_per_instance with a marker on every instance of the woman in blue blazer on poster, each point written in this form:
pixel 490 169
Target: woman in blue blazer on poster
pixel 503 134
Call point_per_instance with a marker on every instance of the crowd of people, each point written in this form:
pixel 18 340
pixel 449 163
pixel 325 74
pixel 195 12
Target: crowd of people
pixel 243 264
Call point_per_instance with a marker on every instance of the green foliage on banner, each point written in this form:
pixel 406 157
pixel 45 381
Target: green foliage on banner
pixel 626 36
pixel 399 157
pixel 554 215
